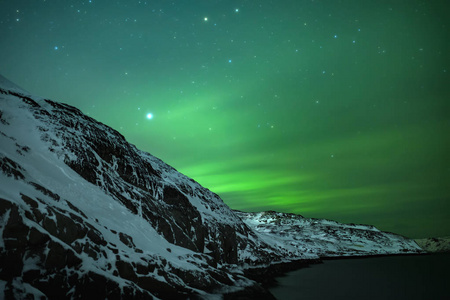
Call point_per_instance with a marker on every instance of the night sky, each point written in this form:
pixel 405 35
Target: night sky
pixel 333 109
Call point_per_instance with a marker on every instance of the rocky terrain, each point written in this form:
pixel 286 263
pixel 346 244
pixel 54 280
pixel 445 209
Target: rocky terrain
pixel 325 238
pixel 85 214
pixel 435 245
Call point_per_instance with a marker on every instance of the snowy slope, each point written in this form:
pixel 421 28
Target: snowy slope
pixel 7 85
pixel 325 238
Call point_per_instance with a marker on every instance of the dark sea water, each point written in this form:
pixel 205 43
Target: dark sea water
pixel 390 277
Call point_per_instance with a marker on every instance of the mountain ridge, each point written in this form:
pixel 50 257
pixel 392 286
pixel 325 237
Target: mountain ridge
pixel 85 213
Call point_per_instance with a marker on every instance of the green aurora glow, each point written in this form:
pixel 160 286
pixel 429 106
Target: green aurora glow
pixel 328 109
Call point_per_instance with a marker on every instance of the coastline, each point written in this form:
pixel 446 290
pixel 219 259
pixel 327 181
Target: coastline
pixel 265 276
pixel 374 256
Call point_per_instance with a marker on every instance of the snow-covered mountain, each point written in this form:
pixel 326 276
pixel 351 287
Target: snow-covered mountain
pixel 325 238
pixel 85 214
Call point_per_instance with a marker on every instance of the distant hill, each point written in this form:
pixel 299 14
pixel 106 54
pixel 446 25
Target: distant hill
pixel 325 238
pixel 435 245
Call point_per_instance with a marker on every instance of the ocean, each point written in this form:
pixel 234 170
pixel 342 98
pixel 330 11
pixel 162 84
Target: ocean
pixel 386 277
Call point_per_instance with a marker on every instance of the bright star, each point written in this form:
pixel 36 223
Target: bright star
pixel 149 116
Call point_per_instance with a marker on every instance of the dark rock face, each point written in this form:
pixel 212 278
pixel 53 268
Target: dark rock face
pixel 55 267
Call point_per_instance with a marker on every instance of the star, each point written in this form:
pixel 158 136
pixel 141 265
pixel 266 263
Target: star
pixel 149 116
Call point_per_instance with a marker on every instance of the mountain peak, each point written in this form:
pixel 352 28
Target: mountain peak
pixel 9 85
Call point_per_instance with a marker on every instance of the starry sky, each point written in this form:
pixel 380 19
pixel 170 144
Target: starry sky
pixel 333 109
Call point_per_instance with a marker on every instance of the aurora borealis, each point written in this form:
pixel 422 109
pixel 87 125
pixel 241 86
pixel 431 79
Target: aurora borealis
pixel 329 109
